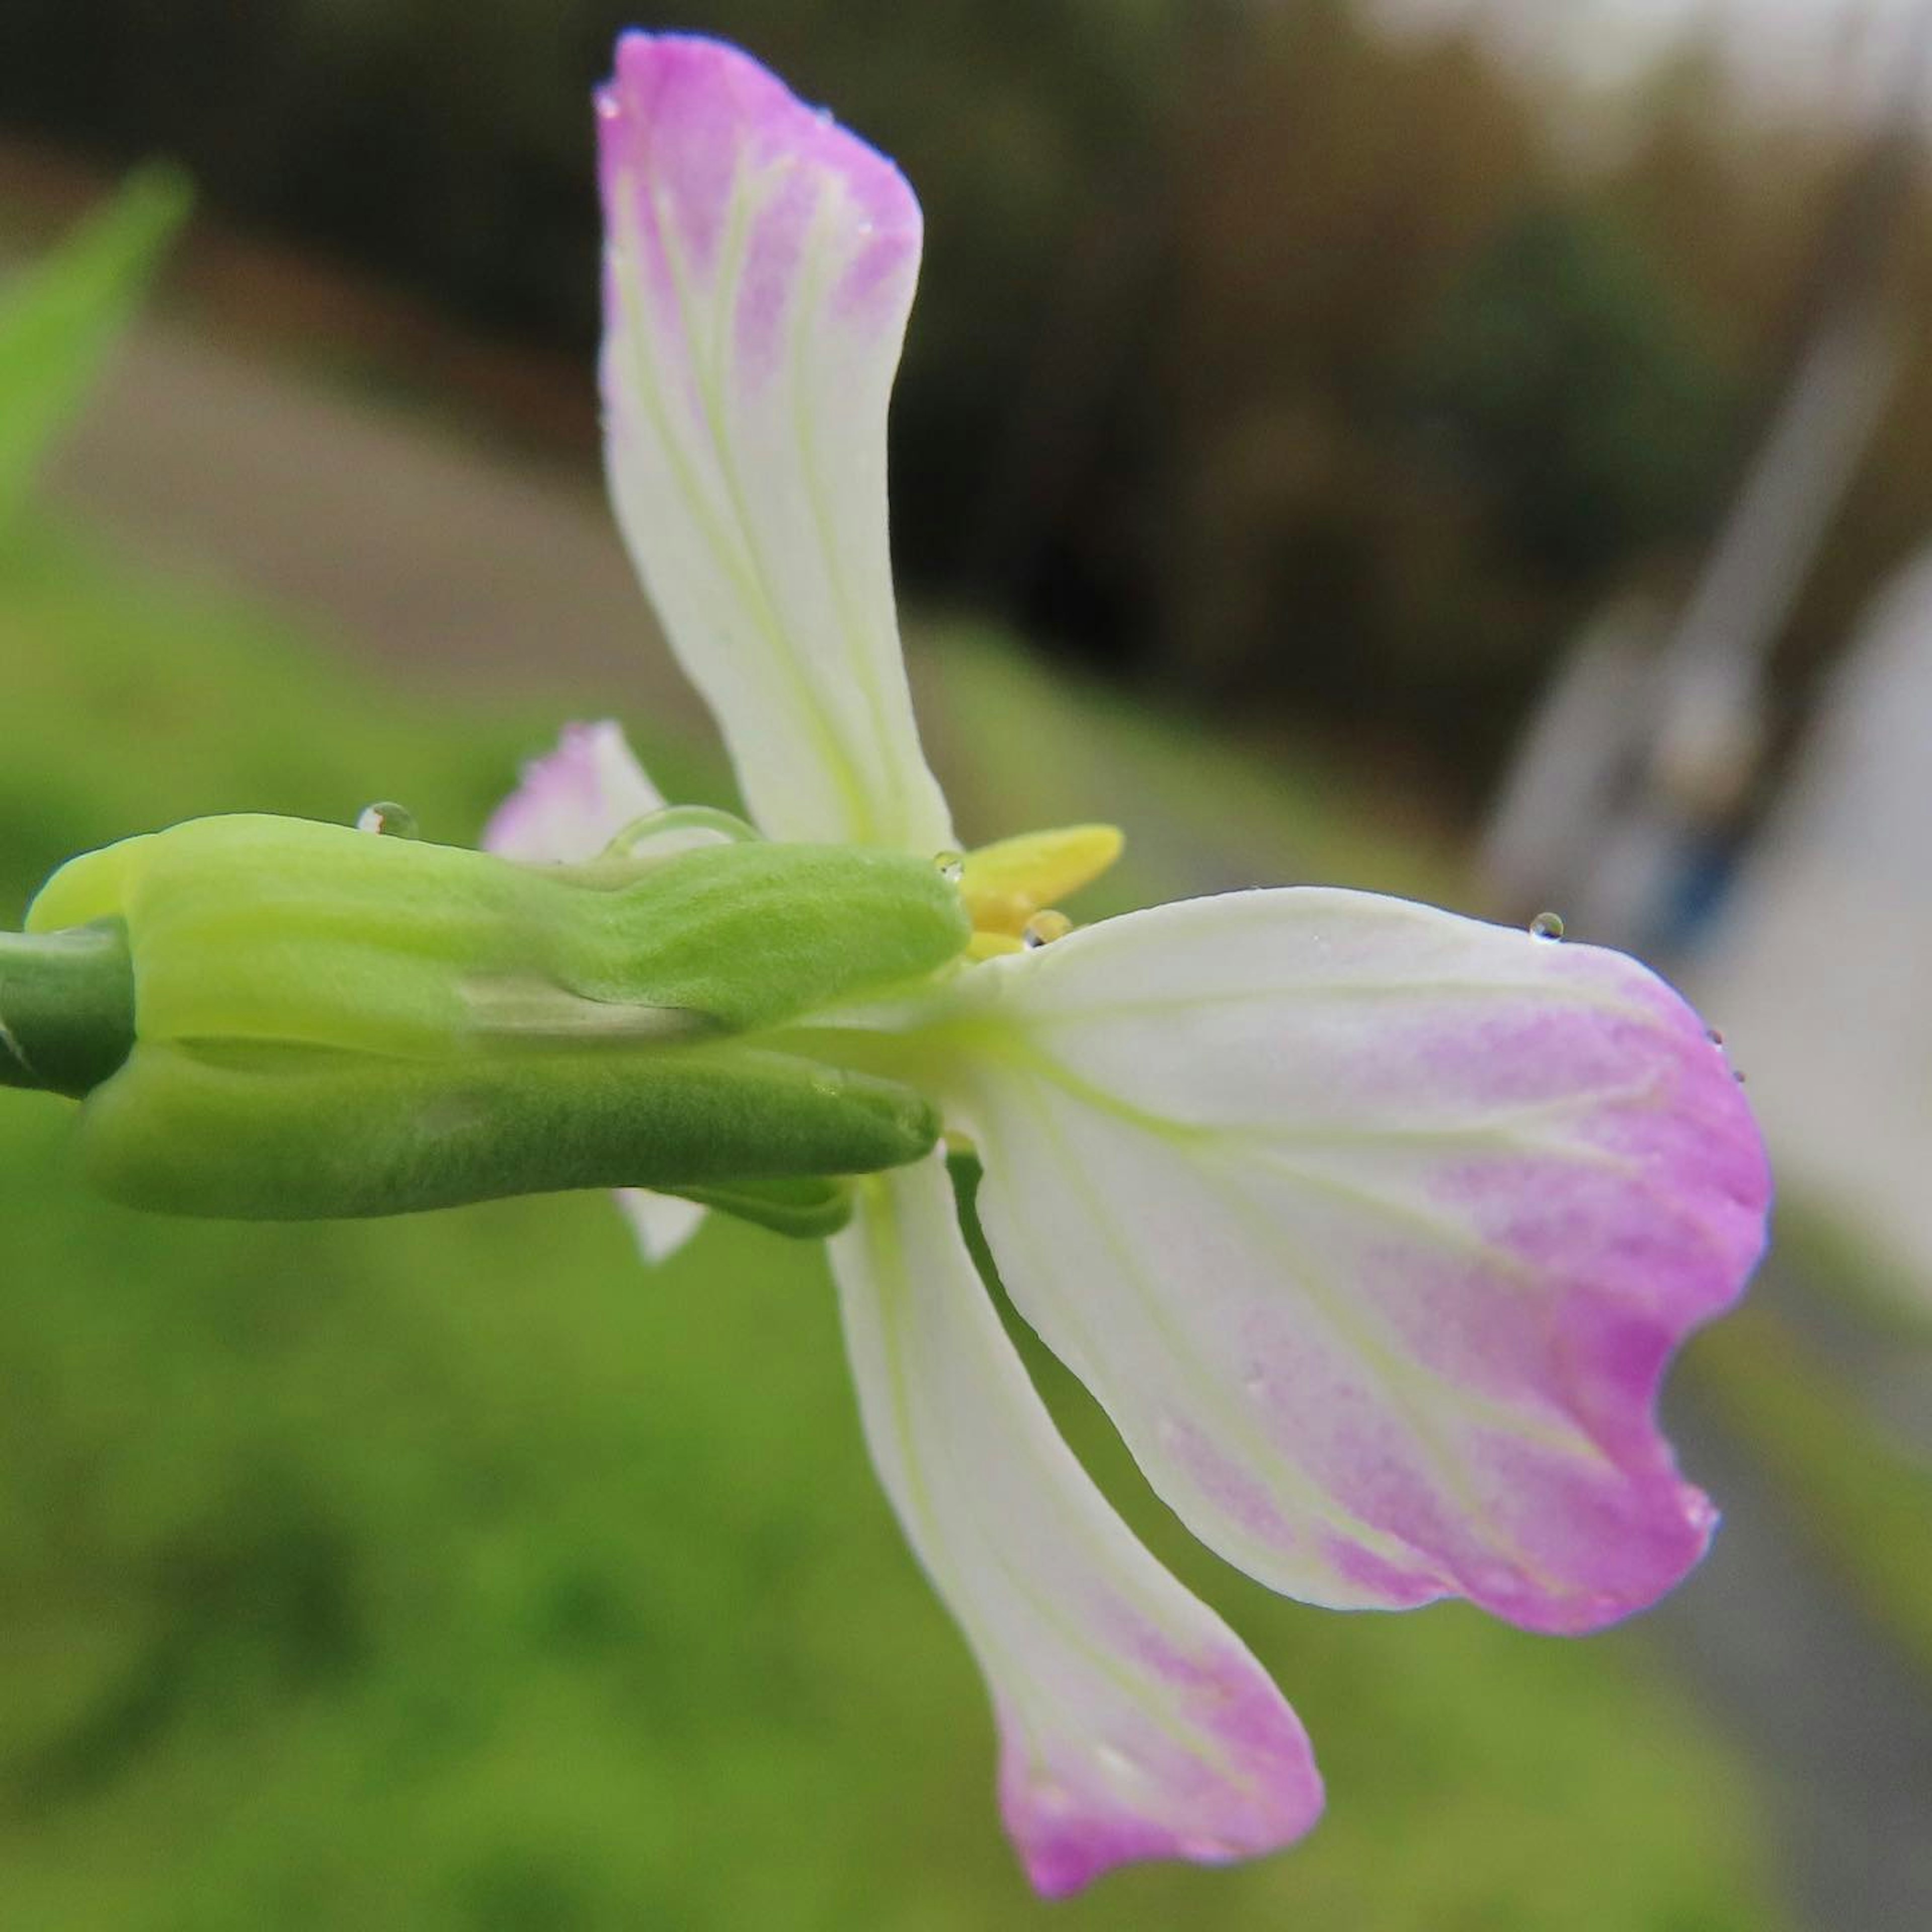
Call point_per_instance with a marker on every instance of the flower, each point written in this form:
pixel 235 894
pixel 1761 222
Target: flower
pixel 1373 1228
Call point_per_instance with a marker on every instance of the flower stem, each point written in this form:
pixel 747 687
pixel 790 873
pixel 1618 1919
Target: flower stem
pixel 67 1007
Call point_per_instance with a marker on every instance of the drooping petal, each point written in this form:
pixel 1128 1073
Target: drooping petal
pixel 574 800
pixel 572 803
pixel 1374 1229
pixel 759 270
pixel 1133 1724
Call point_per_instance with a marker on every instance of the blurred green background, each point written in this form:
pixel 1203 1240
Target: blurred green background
pixel 461 1572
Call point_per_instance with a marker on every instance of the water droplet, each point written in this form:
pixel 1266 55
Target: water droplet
pixel 1546 925
pixel 607 106
pixel 1738 1075
pixel 1699 1512
pixel 1044 927
pixel 387 819
pixel 1714 1037
pixel 822 115
pixel 952 866
pixel 1204 1850
pixel 676 829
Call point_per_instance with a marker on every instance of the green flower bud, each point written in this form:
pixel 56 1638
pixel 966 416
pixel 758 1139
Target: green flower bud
pixel 328 1023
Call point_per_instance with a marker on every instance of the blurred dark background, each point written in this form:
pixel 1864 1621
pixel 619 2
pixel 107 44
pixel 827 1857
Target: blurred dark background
pixel 1265 356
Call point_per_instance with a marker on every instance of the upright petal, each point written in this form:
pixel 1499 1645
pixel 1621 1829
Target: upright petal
pixel 1133 1722
pixel 572 803
pixel 760 268
pixel 1374 1229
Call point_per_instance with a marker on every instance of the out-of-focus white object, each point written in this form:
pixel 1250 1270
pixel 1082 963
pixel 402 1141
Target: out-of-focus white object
pixel 1821 977
pixel 1842 56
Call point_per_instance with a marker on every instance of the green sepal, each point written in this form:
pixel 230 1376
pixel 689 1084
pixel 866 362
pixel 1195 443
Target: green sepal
pixel 256 1133
pixel 806 1207
pixel 330 1023
pixel 254 928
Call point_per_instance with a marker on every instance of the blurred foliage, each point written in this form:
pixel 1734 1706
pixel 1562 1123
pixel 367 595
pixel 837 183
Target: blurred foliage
pixel 58 322
pixel 1319 374
pixel 457 1573
pixel 1862 1489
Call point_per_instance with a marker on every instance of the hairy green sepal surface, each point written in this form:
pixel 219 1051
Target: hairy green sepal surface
pixel 329 1023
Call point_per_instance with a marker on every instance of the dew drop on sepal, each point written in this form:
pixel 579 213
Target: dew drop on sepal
pixel 673 829
pixel 387 820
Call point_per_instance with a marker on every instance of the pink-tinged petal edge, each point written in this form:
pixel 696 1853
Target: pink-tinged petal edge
pixel 691 117
pixel 759 269
pixel 572 801
pixel 1133 1724
pixel 1070 1827
pixel 1434 1205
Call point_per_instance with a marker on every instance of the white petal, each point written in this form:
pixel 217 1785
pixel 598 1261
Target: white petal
pixel 1133 1724
pixel 1373 1229
pixel 662 1223
pixel 760 268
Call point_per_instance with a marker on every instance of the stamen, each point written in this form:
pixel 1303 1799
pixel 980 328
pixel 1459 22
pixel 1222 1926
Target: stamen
pixel 1006 884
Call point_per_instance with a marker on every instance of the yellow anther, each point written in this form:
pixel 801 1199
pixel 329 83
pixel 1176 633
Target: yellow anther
pixel 1004 885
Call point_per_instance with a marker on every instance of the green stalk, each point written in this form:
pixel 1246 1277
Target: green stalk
pixel 67 1007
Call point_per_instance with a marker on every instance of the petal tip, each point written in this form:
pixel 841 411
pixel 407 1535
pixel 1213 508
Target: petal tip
pixel 1246 1786
pixel 572 801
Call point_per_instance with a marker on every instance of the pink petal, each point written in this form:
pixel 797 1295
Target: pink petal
pixel 574 800
pixel 1133 1722
pixel 1375 1230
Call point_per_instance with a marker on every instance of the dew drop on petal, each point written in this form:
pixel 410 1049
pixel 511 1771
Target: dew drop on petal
pixel 1044 927
pixel 1546 925
pixel 1714 1037
pixel 388 819
pixel 1208 1851
pixel 951 866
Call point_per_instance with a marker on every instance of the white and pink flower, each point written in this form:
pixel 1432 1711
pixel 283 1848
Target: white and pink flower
pixel 1373 1228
